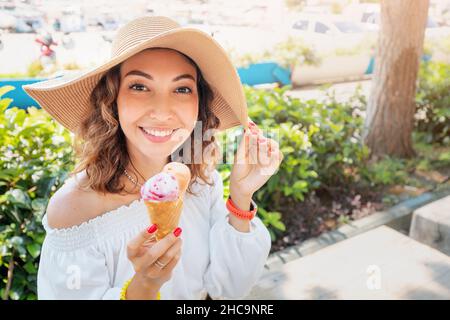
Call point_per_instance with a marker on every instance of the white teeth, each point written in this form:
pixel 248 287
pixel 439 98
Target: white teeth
pixel 158 133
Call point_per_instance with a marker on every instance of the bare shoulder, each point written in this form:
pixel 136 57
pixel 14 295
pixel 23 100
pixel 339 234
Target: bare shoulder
pixel 71 205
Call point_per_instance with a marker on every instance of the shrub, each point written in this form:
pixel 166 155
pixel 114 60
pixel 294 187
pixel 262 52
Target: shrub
pixel 433 102
pixel 386 171
pixel 35 158
pixel 320 141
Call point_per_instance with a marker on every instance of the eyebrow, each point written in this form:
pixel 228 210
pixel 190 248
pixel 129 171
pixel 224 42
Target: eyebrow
pixel 148 76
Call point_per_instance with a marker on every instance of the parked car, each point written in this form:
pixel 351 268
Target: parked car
pixel 108 23
pixel 7 21
pixel 72 20
pixel 327 32
pixel 432 28
pixel 326 24
pixel 342 43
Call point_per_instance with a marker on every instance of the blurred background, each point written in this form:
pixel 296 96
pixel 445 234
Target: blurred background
pixel 335 39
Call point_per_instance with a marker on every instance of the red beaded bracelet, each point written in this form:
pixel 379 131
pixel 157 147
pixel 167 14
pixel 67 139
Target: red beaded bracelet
pixel 247 215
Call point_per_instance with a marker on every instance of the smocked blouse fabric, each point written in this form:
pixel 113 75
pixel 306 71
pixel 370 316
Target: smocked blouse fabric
pixel 90 261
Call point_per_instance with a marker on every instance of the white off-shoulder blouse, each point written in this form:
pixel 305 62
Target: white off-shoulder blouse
pixel 89 261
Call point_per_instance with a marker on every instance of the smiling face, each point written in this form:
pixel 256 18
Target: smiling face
pixel 157 102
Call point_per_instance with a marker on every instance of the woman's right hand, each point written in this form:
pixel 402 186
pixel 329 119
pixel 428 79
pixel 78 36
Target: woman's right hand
pixel 148 256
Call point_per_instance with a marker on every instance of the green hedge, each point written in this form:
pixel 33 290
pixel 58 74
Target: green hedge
pixel 35 157
pixel 433 102
pixel 320 142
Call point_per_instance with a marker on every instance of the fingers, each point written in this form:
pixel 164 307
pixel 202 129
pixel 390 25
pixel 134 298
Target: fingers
pixel 247 151
pixel 155 252
pixel 172 263
pixel 144 238
pixel 242 151
pixel 275 160
pixel 274 146
pixel 275 153
pixel 171 256
pixel 166 272
pixel 252 155
pixel 256 149
pixel 267 149
pixel 263 151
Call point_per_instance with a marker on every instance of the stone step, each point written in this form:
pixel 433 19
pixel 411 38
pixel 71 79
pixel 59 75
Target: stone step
pixel 378 264
pixel 431 225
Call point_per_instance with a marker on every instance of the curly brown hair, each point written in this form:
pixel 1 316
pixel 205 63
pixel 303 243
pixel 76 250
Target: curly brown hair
pixel 100 144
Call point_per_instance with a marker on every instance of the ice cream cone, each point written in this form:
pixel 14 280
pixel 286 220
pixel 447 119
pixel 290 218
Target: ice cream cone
pixel 165 215
pixel 163 195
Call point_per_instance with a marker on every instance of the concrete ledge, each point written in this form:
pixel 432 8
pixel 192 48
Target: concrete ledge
pixel 379 264
pixel 431 225
pixel 397 217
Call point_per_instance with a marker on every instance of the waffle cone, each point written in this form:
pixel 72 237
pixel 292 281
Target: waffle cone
pixel 165 214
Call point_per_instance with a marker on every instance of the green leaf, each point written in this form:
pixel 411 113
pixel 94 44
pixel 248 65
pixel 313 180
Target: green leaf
pixel 16 241
pixel 287 190
pixel 19 198
pixel 300 185
pixel 287 150
pixel 34 249
pixel 30 268
pixel 8 174
pixel 39 205
pixel 273 237
pixel 14 295
pixel 279 225
pixel 4 104
pixel 5 89
pixel 273 182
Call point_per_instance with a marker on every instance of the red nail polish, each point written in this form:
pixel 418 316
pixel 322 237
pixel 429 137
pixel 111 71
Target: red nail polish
pixel 152 228
pixel 177 232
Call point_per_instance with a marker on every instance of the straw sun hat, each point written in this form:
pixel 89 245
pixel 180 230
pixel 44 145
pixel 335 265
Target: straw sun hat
pixel 67 98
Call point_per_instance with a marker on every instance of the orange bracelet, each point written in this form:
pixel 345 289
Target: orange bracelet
pixel 247 215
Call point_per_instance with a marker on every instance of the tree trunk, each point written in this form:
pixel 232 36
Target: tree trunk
pixel 390 111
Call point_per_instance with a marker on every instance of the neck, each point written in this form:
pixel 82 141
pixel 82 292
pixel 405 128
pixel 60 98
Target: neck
pixel 145 166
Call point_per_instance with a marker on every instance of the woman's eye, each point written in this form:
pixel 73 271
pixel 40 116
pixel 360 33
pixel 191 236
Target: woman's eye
pixel 141 87
pixel 137 86
pixel 185 91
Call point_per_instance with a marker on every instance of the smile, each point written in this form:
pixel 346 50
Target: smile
pixel 157 135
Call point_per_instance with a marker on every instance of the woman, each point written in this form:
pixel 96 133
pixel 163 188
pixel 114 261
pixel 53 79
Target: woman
pixel 162 84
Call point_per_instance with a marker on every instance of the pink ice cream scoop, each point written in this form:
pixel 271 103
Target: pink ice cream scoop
pixel 161 187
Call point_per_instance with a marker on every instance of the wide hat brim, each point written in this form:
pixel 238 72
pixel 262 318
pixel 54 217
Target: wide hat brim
pixel 66 98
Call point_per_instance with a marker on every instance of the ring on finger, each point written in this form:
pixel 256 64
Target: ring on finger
pixel 159 264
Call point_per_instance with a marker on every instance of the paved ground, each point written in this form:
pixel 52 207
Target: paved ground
pixel 379 264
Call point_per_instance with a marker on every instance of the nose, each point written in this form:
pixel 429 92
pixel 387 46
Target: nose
pixel 161 109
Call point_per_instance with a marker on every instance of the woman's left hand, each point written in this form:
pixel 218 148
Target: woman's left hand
pixel 256 160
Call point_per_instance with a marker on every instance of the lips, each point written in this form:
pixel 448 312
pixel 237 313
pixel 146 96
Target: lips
pixel 157 135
